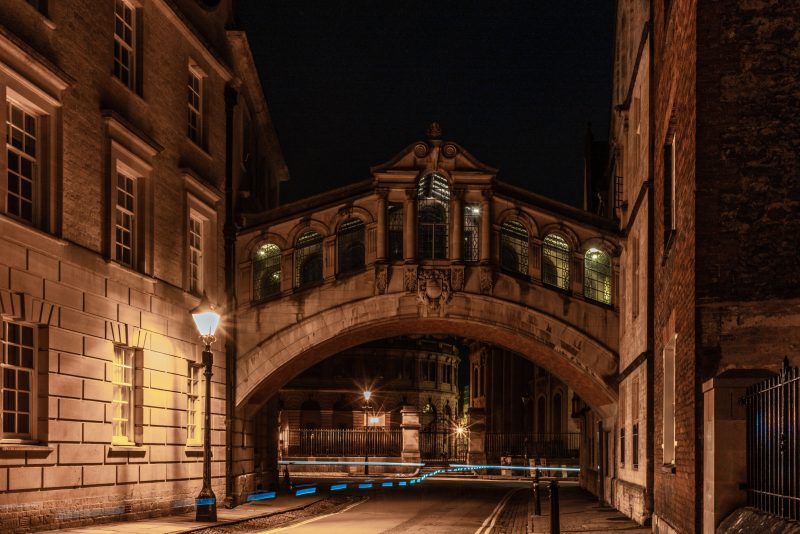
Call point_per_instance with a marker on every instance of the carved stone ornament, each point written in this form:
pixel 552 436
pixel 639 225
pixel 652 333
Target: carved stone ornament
pixel 381 278
pixel 450 150
pixel 410 278
pixel 433 288
pixel 486 281
pixel 421 150
pixel 457 278
pixel 434 131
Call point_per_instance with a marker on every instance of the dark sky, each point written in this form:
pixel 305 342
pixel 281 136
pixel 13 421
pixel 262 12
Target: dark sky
pixel 350 84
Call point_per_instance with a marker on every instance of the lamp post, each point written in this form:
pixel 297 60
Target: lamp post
pixel 367 406
pixel 206 320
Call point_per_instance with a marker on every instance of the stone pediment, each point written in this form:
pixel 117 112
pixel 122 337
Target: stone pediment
pixel 434 155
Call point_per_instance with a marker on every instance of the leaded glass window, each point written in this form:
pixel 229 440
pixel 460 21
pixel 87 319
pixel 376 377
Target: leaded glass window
pixel 597 276
pixel 555 261
pixel 195 255
pixel 395 248
pixel 18 379
pixel 472 218
pixel 514 247
pixel 266 271
pixel 350 242
pixel 122 401
pixel 193 406
pixel 195 107
pixel 308 259
pixel 124 43
pixel 433 217
pixel 22 153
pixel 125 219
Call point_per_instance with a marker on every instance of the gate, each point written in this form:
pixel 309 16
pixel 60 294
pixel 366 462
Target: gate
pixel 443 445
pixel 773 444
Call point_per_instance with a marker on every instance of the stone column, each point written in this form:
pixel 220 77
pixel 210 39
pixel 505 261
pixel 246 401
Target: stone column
pixel 486 227
pixel 329 257
pixel 410 227
pixel 380 234
pixel 287 270
pixel 477 437
pixel 410 425
pixel 456 226
pixel 576 273
pixel 724 448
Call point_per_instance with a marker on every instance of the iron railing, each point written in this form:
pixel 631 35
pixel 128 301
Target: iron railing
pixel 773 444
pixel 561 445
pixel 443 445
pixel 343 442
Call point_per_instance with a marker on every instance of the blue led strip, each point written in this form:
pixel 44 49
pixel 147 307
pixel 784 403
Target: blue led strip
pixel 205 501
pixel 305 491
pixel 261 496
pixel 365 486
pixel 517 467
pixel 387 484
pixel 315 462
pixel 337 487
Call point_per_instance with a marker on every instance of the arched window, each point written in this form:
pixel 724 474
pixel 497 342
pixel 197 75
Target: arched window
pixel 350 242
pixel 266 271
pixel 395 248
pixel 597 276
pixel 308 259
pixel 557 413
pixel 433 217
pixel 514 247
pixel 555 261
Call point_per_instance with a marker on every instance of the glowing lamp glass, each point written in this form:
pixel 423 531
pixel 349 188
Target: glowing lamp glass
pixel 367 395
pixel 206 322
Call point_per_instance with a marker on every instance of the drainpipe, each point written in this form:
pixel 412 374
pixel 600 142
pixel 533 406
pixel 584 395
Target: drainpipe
pixel 229 234
pixel 649 446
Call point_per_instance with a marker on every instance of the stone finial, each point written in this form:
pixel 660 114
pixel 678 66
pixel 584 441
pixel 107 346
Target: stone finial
pixel 434 131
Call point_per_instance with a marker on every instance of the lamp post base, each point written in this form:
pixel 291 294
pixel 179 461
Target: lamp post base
pixel 206 506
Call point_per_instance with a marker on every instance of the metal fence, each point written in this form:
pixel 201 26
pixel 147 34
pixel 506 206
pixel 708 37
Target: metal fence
pixel 344 442
pixel 773 444
pixel 562 445
pixel 443 445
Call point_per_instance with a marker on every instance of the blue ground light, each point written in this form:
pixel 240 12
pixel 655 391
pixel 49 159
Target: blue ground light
pixel 261 496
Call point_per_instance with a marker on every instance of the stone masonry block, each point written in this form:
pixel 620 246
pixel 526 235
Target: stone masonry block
pixel 129 315
pixel 44 266
pixel 64 431
pixel 155 435
pixel 65 341
pixel 62 477
pixel 97 433
pixel 81 454
pixel 14 255
pixel 24 478
pixel 63 295
pixel 65 386
pixel 140 300
pixel 152 472
pixel 166 453
pixel 96 475
pixel 82 366
pixel 82 279
pixel 82 322
pixel 27 283
pixel 127 474
pixel 96 305
pixel 154 323
pixel 177 471
pixel 97 390
pixel 3 479
pixel 81 410
pixel 98 348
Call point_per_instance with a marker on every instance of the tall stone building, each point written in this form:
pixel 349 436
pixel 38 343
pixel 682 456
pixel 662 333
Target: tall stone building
pixel 704 181
pixel 132 132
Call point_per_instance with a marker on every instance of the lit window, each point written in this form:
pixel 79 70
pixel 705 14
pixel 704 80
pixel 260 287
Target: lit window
pixel 472 216
pixel 635 419
pixel 668 419
pixel 125 219
pixel 514 247
pixel 122 401
pixel 195 101
pixel 308 259
pixel 124 27
pixel 350 242
pixel 18 380
pixel 395 232
pixel 195 255
pixel 22 151
pixel 266 272
pixel 433 217
pixel 555 261
pixel 597 276
pixel 193 407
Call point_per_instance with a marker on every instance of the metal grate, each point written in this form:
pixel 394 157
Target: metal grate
pixel 597 277
pixel 618 193
pixel 266 272
pixel 443 445
pixel 547 445
pixel 350 241
pixel 433 216
pixel 344 442
pixel 472 217
pixel 308 259
pixel 555 261
pixel 514 247
pixel 773 444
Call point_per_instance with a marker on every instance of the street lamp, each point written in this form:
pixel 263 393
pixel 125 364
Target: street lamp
pixel 206 320
pixel 367 406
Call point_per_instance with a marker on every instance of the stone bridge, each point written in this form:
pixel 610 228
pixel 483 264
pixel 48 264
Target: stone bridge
pixel 433 243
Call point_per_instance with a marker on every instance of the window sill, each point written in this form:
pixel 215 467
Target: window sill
pixel 199 148
pixel 131 90
pixel 133 450
pixel 25 447
pixel 193 450
pixel 668 469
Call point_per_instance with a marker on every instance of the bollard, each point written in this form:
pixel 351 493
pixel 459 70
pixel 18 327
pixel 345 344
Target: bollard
pixel 537 504
pixel 555 519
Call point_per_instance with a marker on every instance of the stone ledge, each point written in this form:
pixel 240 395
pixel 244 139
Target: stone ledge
pixel 25 447
pixel 133 450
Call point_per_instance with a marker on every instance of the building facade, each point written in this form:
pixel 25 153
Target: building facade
pixel 118 118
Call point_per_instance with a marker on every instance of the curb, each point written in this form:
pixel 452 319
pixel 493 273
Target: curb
pixel 242 520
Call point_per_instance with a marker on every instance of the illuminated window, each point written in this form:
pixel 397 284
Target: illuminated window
pixel 668 419
pixel 472 217
pixel 433 217
pixel 266 272
pixel 124 43
pixel 122 401
pixel 395 232
pixel 22 149
pixel 18 380
pixel 514 247
pixel 125 219
pixel 195 102
pixel 350 243
pixel 193 407
pixel 635 420
pixel 195 255
pixel 308 259
pixel 597 276
pixel 555 261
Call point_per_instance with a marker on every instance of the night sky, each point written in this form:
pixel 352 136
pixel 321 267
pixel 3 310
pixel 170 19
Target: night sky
pixel 350 84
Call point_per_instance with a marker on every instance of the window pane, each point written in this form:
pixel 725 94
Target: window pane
pixel 433 215
pixel 555 261
pixel 597 277
pixel 308 259
pixel 514 247
pixel 350 243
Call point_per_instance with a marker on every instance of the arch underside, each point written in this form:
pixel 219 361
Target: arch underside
pixel 583 363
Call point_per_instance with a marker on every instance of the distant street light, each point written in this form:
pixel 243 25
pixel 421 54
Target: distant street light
pixel 367 406
pixel 206 320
